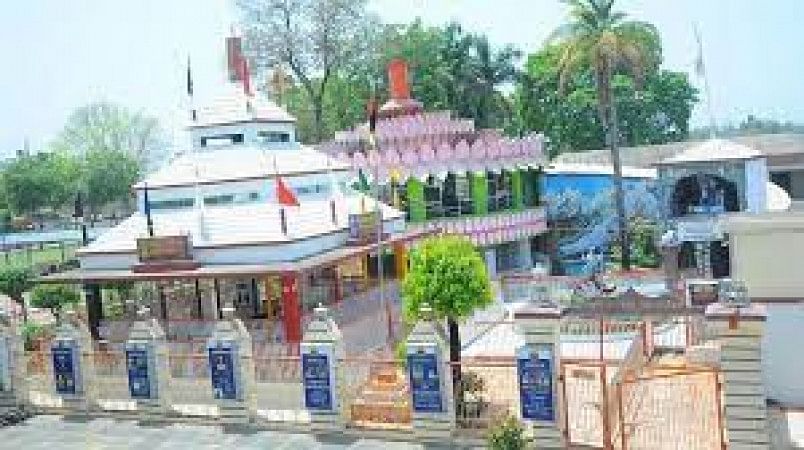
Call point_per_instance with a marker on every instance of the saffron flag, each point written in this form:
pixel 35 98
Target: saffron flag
pixel 284 194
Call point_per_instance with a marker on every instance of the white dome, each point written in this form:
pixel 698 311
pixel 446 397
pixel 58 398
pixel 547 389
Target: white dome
pixel 777 198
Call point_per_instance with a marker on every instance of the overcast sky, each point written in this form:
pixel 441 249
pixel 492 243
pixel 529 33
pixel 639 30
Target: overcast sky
pixel 60 54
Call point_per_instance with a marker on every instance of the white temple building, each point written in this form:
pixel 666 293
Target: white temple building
pixel 219 235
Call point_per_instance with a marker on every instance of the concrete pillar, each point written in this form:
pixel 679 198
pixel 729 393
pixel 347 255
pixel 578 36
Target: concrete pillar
pixel 490 256
pixel 232 369
pixel 72 363
pixel 148 369
pixel 745 415
pixel 320 353
pixel 430 380
pixel 525 257
pixel 12 364
pixel 539 359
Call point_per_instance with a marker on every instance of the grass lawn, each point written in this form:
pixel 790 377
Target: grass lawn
pixel 34 256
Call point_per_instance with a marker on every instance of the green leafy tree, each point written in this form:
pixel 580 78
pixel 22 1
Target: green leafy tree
pixel 54 297
pixel 449 275
pixel 316 39
pixel 107 176
pixel 107 127
pixel 14 282
pixel 44 180
pixel 601 40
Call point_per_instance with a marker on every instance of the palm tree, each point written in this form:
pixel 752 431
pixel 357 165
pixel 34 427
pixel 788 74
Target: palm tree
pixel 602 41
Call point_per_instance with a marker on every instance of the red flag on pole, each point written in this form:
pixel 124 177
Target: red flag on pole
pixel 284 194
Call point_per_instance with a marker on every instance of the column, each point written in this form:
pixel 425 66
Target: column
pixel 148 368
pixel 92 298
pixel 320 352
pixel 539 358
pixel 745 415
pixel 291 307
pixel 490 256
pixel 480 193
pixel 430 380
pixel 401 260
pixel 525 258
pixel 517 195
pixel 232 369
pixel 415 192
pixel 72 363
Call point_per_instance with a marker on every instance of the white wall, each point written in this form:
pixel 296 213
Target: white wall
pixel 782 355
pixel 767 253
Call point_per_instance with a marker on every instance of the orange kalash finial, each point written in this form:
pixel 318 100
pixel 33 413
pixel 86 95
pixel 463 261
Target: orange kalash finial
pixel 398 79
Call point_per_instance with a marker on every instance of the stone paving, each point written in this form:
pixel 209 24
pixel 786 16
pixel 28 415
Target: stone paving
pixel 54 432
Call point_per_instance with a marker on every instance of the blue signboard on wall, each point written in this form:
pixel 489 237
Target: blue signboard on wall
pixel 317 388
pixel 64 370
pixel 425 382
pixel 535 372
pixel 139 385
pixel 221 366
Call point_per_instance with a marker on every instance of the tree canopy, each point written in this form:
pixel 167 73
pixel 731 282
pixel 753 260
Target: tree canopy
pixel 448 274
pixel 54 297
pixel 108 127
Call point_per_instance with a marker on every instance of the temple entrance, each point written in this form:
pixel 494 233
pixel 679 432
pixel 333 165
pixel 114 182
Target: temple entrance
pixel 704 194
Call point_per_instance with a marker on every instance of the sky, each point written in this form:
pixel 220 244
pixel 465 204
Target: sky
pixel 62 54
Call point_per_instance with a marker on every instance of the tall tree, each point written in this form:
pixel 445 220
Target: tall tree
pixel 316 39
pixel 655 112
pixel 602 40
pixel 102 126
pixel 107 177
pixel 448 274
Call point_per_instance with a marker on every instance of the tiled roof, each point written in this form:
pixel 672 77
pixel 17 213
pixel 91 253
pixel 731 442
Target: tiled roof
pixel 240 162
pixel 770 145
pixel 233 106
pixel 713 150
pixel 237 224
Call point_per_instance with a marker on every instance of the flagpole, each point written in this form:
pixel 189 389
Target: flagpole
pixel 700 70
pixel 378 210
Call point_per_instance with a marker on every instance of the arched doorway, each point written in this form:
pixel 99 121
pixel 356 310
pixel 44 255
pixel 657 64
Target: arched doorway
pixel 704 194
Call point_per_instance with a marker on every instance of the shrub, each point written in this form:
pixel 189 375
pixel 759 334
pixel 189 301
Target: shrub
pixel 507 435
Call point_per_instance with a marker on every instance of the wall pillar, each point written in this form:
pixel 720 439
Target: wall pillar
pixel 540 358
pixel 72 363
pixel 745 416
pixel 232 369
pixel 291 307
pixel 148 368
pixel 320 353
pixel 430 380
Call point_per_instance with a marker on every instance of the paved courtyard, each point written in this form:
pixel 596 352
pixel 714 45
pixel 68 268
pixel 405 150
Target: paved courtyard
pixel 53 432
